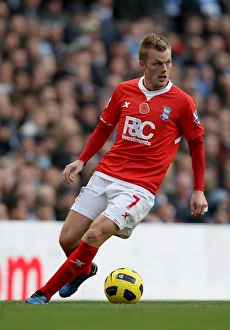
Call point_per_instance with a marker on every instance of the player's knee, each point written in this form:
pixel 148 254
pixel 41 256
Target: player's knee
pixel 64 242
pixel 95 236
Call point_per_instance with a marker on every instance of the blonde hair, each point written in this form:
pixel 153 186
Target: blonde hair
pixel 152 41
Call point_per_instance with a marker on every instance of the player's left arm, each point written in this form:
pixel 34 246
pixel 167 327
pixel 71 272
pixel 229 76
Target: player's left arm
pixel 198 202
pixel 193 132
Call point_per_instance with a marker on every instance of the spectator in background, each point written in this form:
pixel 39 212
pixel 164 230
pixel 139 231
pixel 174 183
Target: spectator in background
pixel 224 130
pixel 4 215
pixel 166 213
pixel 64 131
pixel 219 210
pixel 212 143
pixel 52 177
pixel 163 211
pixel 26 192
pixel 7 178
pixel 225 173
pixel 88 117
pixel 180 197
pixel 6 78
pixel 46 195
pixel 44 212
pixel 17 208
pixel 137 9
pixel 65 198
pixel 220 215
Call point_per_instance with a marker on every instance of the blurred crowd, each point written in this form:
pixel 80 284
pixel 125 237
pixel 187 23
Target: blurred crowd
pixel 59 64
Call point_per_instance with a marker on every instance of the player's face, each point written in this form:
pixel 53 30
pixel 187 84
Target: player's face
pixel 156 69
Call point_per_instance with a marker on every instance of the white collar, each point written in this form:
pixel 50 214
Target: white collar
pixel 150 94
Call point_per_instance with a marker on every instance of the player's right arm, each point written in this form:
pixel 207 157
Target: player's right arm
pixel 94 144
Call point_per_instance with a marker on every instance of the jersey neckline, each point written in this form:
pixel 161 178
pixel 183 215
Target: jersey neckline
pixel 150 94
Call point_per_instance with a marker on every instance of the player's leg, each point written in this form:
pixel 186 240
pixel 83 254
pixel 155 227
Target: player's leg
pixel 77 224
pixel 80 261
pixel 72 231
pixel 126 208
pixel 91 201
pixel 81 258
pixel 99 231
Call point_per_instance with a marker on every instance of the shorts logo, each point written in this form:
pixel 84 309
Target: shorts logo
pixel 125 215
pixel 165 113
pixel 116 221
pixel 144 108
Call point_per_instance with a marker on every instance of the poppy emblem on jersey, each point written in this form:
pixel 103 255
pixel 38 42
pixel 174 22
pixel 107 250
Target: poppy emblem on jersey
pixel 144 108
pixel 165 113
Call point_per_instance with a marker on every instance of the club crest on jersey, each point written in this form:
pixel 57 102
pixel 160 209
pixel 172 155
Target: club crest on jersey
pixel 165 113
pixel 144 108
pixel 195 114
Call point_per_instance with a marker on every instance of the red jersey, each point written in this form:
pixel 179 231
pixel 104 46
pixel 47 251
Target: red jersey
pixel 150 126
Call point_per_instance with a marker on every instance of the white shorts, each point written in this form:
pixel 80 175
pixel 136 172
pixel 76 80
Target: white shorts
pixel 124 203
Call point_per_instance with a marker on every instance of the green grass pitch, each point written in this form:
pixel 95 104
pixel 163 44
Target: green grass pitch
pixel 102 315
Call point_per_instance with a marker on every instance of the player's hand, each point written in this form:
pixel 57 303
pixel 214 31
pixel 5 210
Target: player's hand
pixel 71 170
pixel 198 203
